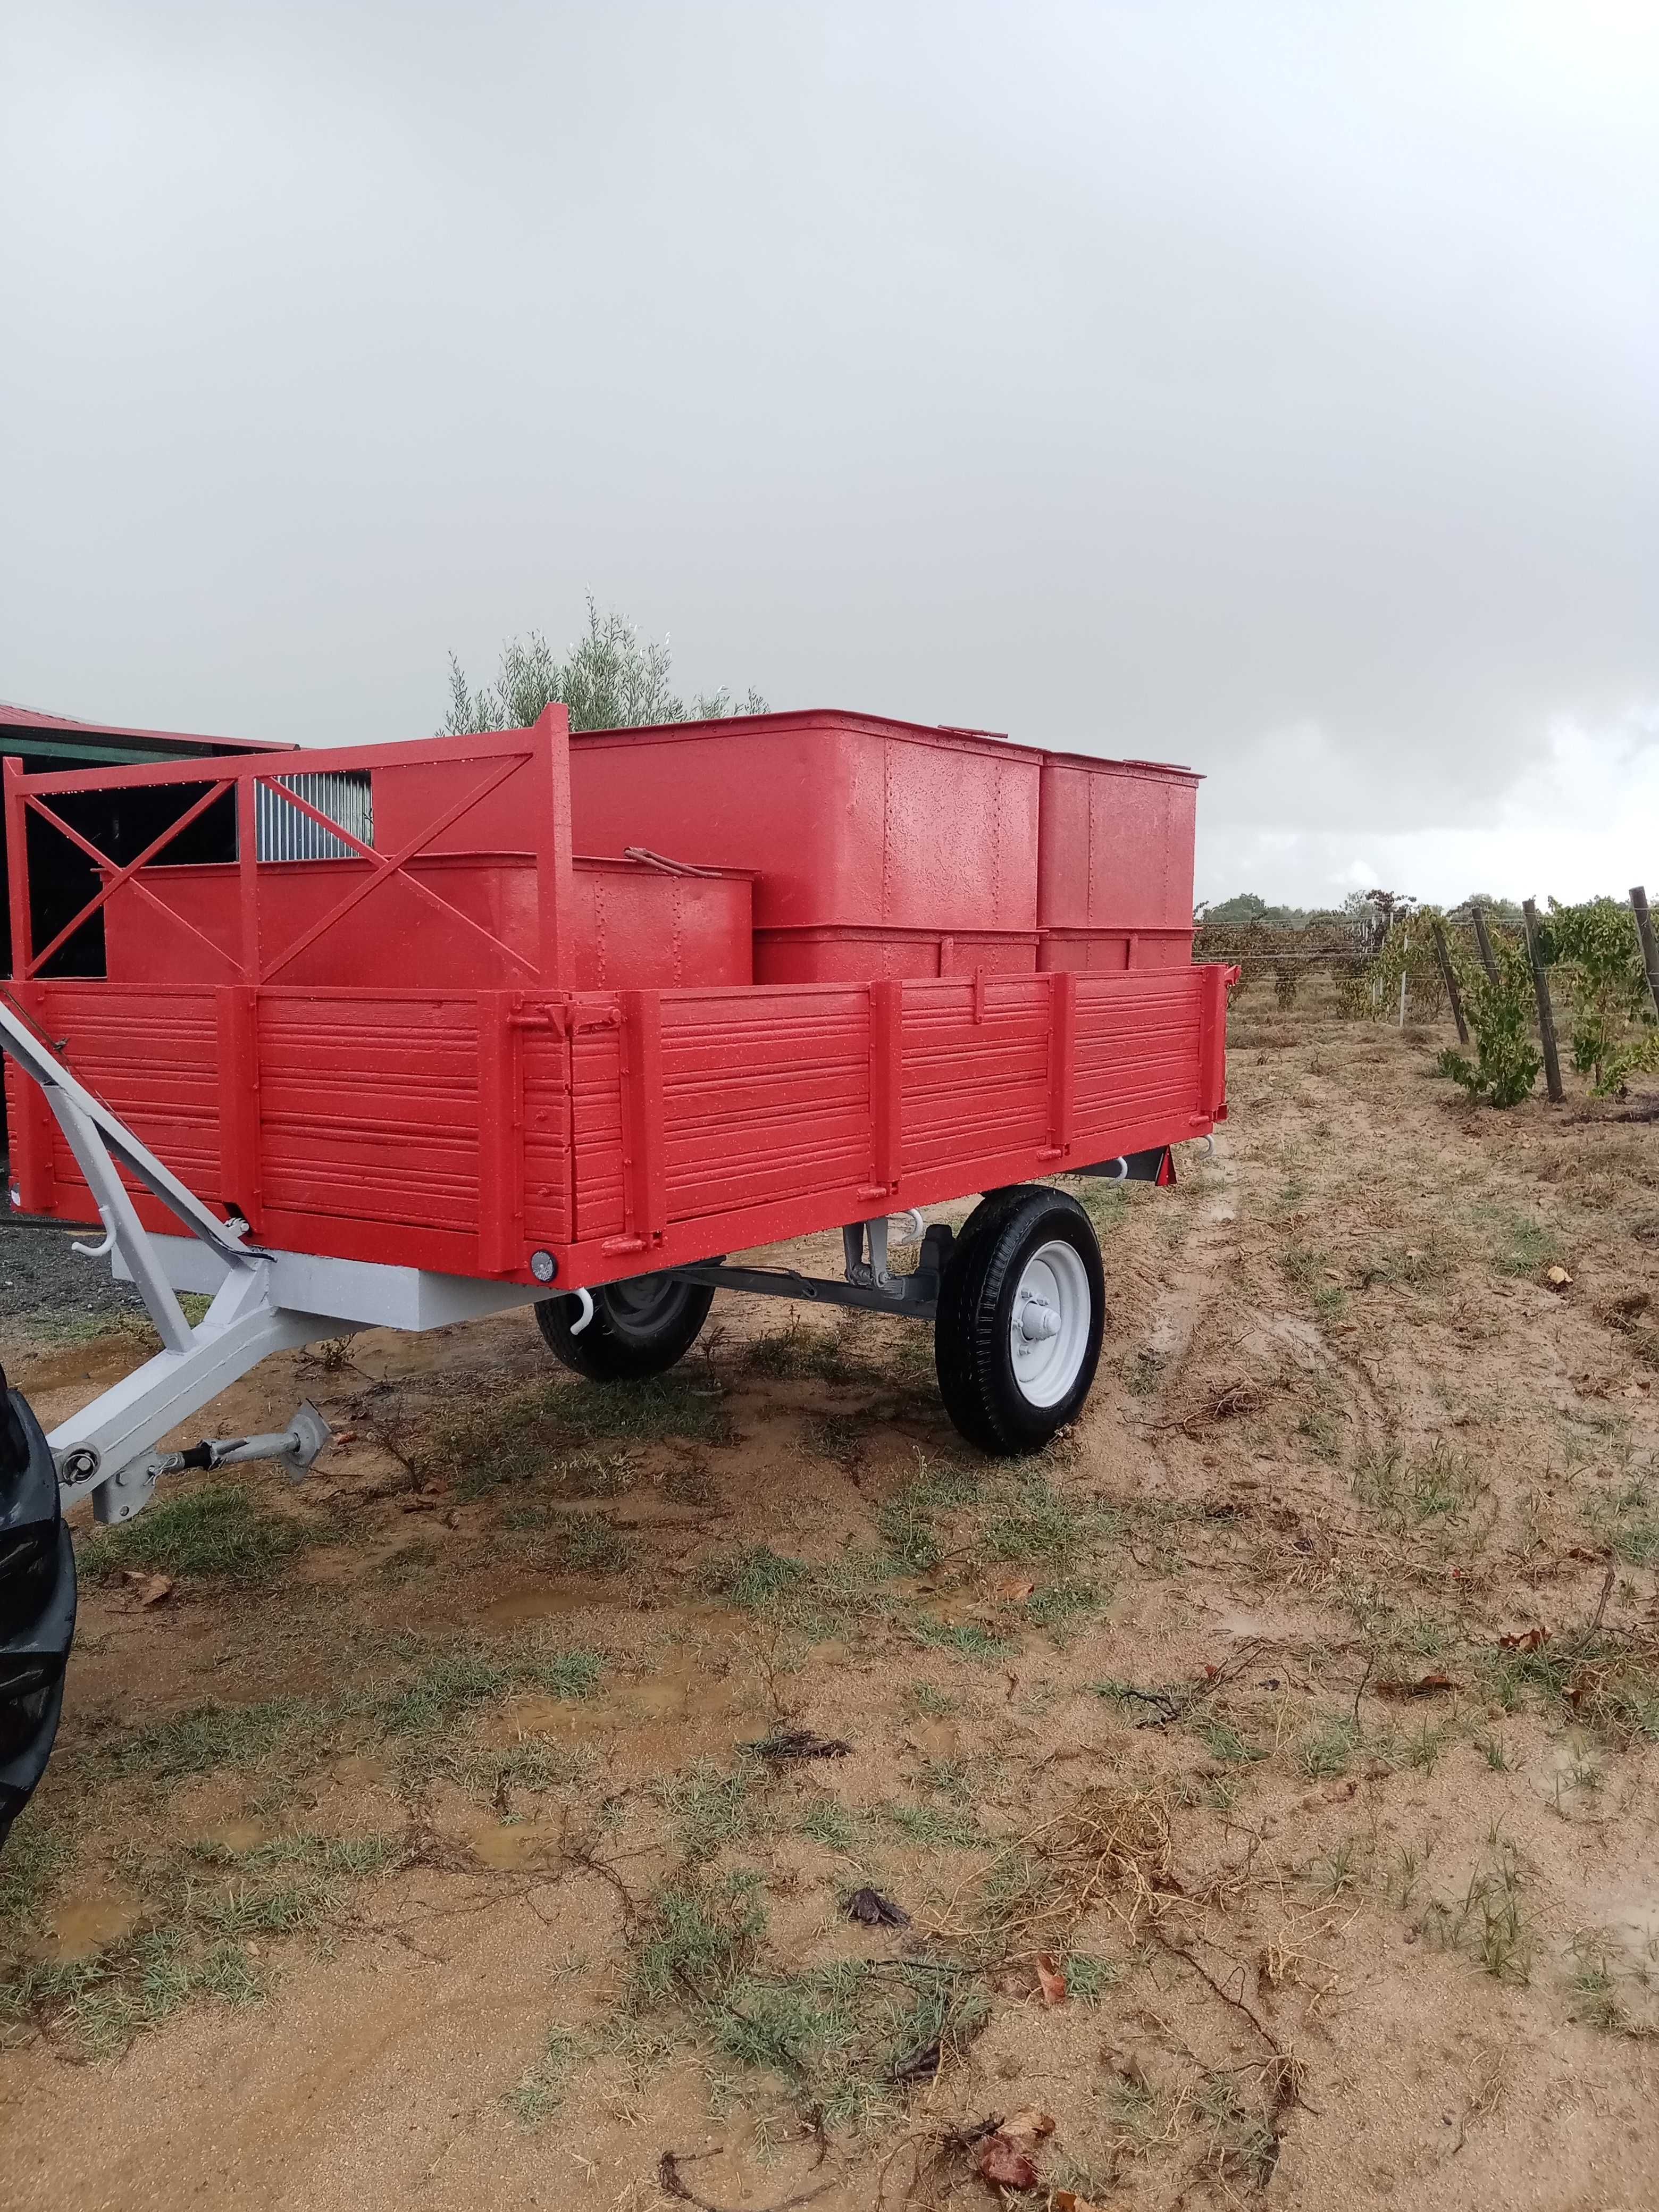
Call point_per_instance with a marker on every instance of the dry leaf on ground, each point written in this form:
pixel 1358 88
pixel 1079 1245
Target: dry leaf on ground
pixel 1051 1978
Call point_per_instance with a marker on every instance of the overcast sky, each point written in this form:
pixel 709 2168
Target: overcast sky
pixel 1271 387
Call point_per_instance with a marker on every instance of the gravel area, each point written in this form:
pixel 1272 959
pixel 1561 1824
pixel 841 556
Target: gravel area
pixel 44 1283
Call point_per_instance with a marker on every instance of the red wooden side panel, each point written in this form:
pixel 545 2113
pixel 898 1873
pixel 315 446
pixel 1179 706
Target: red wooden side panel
pixel 976 1071
pixel 460 1131
pixel 151 1055
pixel 1138 1056
pixel 766 1096
pixel 369 1107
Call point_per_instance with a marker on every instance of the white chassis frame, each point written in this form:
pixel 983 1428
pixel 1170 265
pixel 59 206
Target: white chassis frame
pixel 262 1301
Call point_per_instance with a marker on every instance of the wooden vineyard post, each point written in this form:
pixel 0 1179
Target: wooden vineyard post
pixel 1488 961
pixel 1546 1014
pixel 1638 907
pixel 1448 977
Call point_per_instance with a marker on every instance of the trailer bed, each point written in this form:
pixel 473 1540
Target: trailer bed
pixel 464 1132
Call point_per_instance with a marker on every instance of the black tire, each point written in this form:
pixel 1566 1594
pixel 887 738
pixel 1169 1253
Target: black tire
pixel 638 1327
pixel 992 1398
pixel 37 1604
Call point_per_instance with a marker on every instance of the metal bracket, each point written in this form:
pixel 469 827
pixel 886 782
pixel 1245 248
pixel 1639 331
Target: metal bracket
pixel 873 1273
pixel 875 1289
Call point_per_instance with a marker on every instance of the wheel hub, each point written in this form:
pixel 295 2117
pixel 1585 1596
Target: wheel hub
pixel 1038 1320
pixel 1050 1327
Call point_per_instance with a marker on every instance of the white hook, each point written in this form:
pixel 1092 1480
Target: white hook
pixel 585 1300
pixel 912 1213
pixel 98 1251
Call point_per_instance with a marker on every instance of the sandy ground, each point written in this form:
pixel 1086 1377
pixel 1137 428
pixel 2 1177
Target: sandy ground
pixel 1268 1772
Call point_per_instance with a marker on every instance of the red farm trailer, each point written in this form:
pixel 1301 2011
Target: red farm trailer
pixel 514 1020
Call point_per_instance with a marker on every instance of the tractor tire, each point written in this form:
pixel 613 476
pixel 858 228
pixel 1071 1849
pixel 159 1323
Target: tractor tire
pixel 1021 1311
pixel 37 1604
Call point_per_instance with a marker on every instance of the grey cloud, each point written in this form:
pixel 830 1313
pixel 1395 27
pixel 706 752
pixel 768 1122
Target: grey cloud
pixel 1270 388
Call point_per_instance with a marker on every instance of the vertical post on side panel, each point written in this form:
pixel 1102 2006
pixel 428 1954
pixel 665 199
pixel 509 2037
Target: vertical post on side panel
pixel 17 869
pixel 646 1176
pixel 31 1131
pixel 1211 978
pixel 248 876
pixel 501 1137
pixel 1062 1060
pixel 887 1082
pixel 549 773
pixel 239 1182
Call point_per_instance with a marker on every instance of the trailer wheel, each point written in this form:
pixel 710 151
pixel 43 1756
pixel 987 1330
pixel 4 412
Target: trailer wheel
pixel 638 1327
pixel 37 1604
pixel 1021 1309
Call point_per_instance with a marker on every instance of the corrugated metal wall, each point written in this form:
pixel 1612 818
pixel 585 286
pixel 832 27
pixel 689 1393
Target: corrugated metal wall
pixel 284 833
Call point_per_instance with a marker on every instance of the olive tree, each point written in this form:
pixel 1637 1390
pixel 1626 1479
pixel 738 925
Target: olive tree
pixel 610 679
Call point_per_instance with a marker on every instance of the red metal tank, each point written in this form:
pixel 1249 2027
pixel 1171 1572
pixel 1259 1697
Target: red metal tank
pixel 1114 865
pixel 638 923
pixel 646 923
pixel 871 841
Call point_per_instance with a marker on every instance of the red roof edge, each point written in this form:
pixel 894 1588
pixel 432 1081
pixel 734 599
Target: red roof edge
pixel 29 718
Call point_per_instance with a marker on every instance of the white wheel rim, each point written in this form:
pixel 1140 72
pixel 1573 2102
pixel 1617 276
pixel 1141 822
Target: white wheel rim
pixel 1048 1324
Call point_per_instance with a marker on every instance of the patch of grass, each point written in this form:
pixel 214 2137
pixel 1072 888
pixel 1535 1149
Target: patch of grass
pixel 527 1434
pixel 838 2034
pixel 1600 1681
pixel 588 1544
pixel 1029 1519
pixel 1408 1489
pixel 799 1352
pixel 541 2090
pixel 440 1691
pixel 450 1682
pixel 1088 1978
pixel 1486 1922
pixel 35 1857
pixel 1629 1526
pixel 1143 1375
pixel 944 1827
pixel 102 2003
pixel 841 1439
pixel 909 1520
pixel 1063 1607
pixel 969 1638
pixel 204 1738
pixel 1223 1742
pixel 757 1576
pixel 218 1533
pixel 1106 1204
pixel 701 1934
pixel 409 1562
pixel 709 1808
pixel 827 1822
pixel 198 1945
pixel 1494 1749
pixel 1520 1243
pixel 1327 1751
pixel 1595 1997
